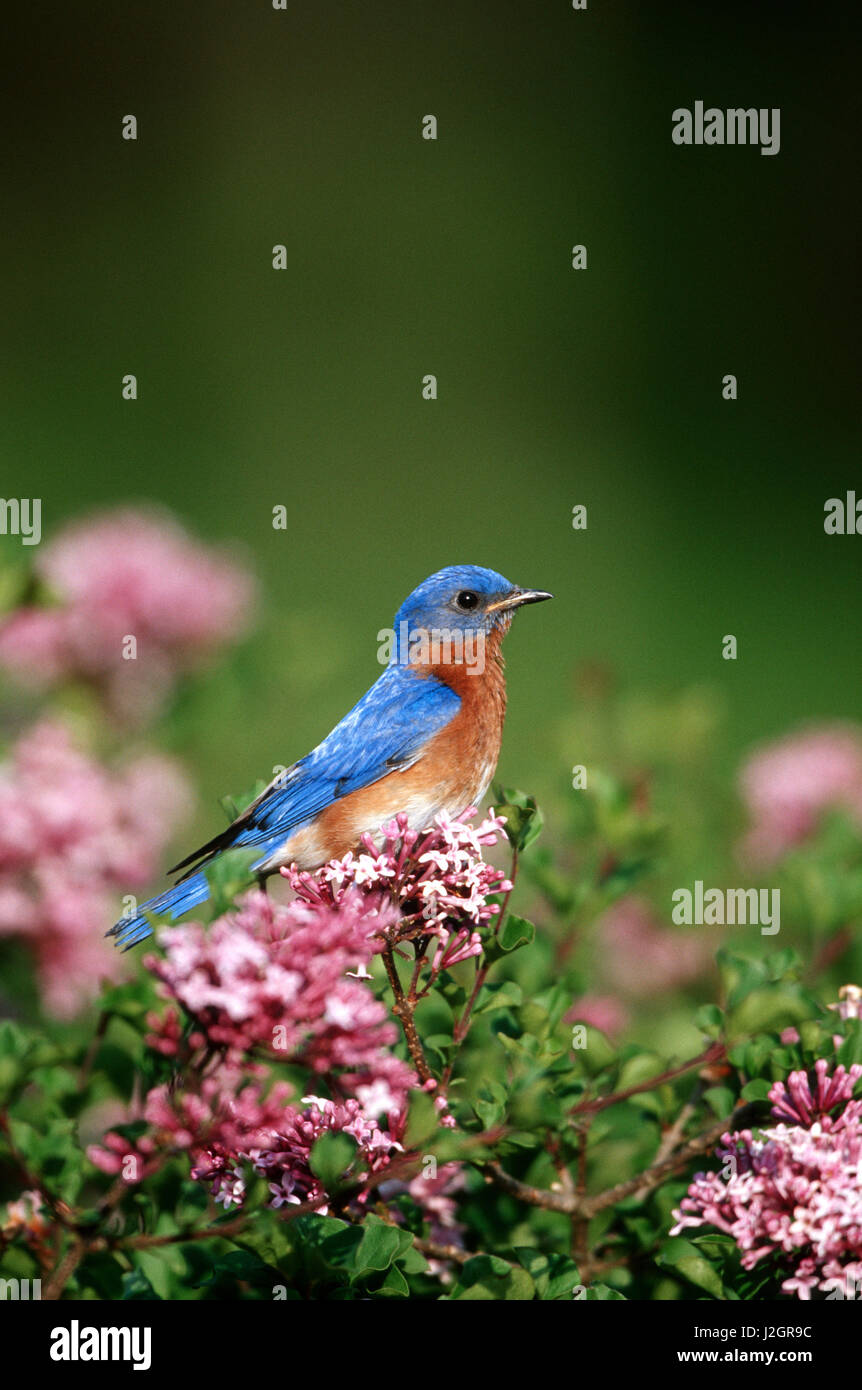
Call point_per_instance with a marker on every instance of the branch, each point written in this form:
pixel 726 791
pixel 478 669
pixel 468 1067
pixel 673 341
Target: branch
pixel 714 1053
pixel 65 1269
pixel 577 1204
pixel 403 1010
pixel 435 1251
pixel 655 1175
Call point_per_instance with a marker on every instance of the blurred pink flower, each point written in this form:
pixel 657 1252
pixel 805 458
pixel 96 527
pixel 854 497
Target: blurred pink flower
pixel 787 785
pixel 792 1191
pixel 849 1003
pixel 639 957
pixel 24 1217
pixel 600 1011
pixel 124 574
pixel 72 835
pixel 436 1196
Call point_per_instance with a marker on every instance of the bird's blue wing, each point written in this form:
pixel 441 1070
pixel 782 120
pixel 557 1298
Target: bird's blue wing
pixel 386 731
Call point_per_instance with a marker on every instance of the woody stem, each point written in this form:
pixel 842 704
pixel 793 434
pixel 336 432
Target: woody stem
pixel 403 1008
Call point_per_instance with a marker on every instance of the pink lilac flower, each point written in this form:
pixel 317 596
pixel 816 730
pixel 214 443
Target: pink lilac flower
pixel 787 785
pixel 73 834
pixel 795 1101
pixel 436 1197
pixel 232 1114
pixel 291 980
pixel 134 1160
pixel 126 573
pixel 166 1033
pixel 438 879
pixel 793 1191
pixel 434 1190
pixel 276 976
pixel 640 958
pixel 286 1164
pixel 234 1120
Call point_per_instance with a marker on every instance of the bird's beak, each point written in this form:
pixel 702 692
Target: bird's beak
pixel 516 599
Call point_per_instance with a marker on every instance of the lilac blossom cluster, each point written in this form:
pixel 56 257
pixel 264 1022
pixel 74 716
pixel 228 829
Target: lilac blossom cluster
pixel 272 981
pixel 438 879
pixel 793 1191
pixel 287 980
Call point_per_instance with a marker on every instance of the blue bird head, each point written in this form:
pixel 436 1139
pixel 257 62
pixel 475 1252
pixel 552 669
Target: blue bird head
pixel 461 601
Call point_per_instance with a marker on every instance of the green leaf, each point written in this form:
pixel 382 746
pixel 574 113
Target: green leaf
pixel 237 1266
pixel 368 1249
pixel 454 994
pixel 756 1090
pixel 491 1104
pixel 394 1285
pixel 487 1277
pixel 381 1244
pixel 554 1275
pixel 103 1273
pixel 524 820
pixel 413 1261
pixel 422 1120
pixel 507 994
pixel 767 1010
pixel 269 1237
pixel 721 1100
pixel 687 1261
pixel 513 934
pixel 331 1155
pixel 137 1288
pixel 850 1050
pixel 229 875
pixel 709 1018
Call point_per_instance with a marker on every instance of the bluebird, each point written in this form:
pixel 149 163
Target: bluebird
pixel 424 739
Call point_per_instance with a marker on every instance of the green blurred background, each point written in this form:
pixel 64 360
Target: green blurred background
pixel 408 257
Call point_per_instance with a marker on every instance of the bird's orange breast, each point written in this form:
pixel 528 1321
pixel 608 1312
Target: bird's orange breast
pixel 452 773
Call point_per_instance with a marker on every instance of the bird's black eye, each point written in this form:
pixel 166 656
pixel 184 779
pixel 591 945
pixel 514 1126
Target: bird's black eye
pixel 467 600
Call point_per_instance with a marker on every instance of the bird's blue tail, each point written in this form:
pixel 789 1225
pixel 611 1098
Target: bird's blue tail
pixel 181 898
